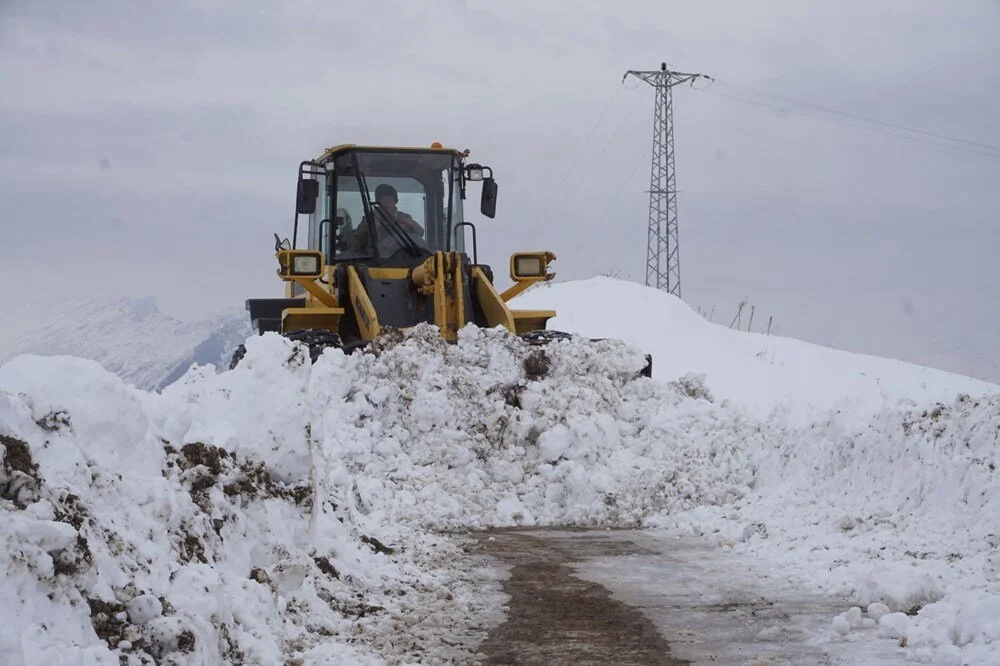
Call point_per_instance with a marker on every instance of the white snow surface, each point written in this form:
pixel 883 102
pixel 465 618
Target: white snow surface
pixel 754 369
pixel 317 512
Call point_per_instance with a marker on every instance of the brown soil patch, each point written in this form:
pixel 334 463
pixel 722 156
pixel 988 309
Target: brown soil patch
pixel 54 421
pixel 104 617
pixel 17 456
pixel 556 618
pixel 19 478
pixel 203 454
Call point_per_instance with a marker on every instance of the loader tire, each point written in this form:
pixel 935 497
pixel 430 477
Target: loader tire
pixel 317 339
pixel 544 337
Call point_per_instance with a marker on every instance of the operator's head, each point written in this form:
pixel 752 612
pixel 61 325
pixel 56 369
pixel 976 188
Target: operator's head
pixel 386 196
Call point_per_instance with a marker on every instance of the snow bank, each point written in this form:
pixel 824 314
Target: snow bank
pixel 288 510
pixel 898 510
pixel 141 526
pixel 246 511
pixel 753 369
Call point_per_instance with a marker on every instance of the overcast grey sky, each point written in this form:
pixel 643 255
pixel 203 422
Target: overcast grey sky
pixel 151 148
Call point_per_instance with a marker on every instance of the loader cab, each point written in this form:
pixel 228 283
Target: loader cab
pixel 338 197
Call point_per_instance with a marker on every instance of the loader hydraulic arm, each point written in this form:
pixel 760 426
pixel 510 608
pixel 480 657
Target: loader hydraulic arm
pixel 304 268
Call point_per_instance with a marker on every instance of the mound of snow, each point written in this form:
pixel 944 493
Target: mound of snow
pixel 288 510
pixel 896 511
pixel 140 526
pixel 751 368
pixel 284 510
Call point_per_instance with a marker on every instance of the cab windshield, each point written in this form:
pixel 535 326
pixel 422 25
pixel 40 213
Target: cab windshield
pixel 387 203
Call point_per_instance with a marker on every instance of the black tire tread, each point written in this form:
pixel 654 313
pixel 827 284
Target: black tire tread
pixel 316 339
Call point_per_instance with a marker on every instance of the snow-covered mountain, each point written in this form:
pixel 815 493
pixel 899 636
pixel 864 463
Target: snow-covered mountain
pixel 289 512
pixel 130 337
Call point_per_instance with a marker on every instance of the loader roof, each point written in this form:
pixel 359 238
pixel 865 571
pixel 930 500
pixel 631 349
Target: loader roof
pixel 332 152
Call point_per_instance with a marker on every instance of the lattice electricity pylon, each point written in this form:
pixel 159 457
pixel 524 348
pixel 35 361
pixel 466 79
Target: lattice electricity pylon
pixel 663 267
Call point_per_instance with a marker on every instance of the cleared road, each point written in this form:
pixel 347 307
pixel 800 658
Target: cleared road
pixel 634 597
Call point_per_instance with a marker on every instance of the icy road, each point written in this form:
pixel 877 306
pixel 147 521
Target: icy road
pixel 636 597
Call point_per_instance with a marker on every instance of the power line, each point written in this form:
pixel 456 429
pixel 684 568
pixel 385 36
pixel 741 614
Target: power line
pixel 969 146
pixel 579 152
pixel 854 116
pixel 600 154
pixel 540 224
pixel 874 130
pixel 622 188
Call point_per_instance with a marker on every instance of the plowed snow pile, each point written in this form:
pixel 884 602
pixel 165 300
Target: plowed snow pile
pixel 314 513
pixel 756 370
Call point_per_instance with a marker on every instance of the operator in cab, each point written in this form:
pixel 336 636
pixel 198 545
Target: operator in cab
pixel 385 213
pixel 388 199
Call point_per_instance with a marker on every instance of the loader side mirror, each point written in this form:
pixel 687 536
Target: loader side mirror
pixel 488 204
pixel 305 199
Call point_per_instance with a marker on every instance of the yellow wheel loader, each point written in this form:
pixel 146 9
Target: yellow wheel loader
pixel 384 246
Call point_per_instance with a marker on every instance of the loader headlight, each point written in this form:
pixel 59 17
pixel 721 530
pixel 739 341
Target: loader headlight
pixel 305 264
pixel 530 265
pixel 300 263
pixel 478 172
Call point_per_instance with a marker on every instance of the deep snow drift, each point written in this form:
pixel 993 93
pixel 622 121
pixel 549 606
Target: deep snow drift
pixel 288 510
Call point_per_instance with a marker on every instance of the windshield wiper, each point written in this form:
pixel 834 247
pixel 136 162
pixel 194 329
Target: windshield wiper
pixel 397 230
pixel 392 225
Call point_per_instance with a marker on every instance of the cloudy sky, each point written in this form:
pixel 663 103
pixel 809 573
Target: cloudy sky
pixel 151 148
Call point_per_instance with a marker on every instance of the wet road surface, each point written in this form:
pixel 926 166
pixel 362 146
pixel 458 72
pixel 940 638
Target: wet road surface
pixel 557 618
pixel 634 597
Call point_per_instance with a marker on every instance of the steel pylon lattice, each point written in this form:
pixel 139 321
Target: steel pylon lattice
pixel 663 268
